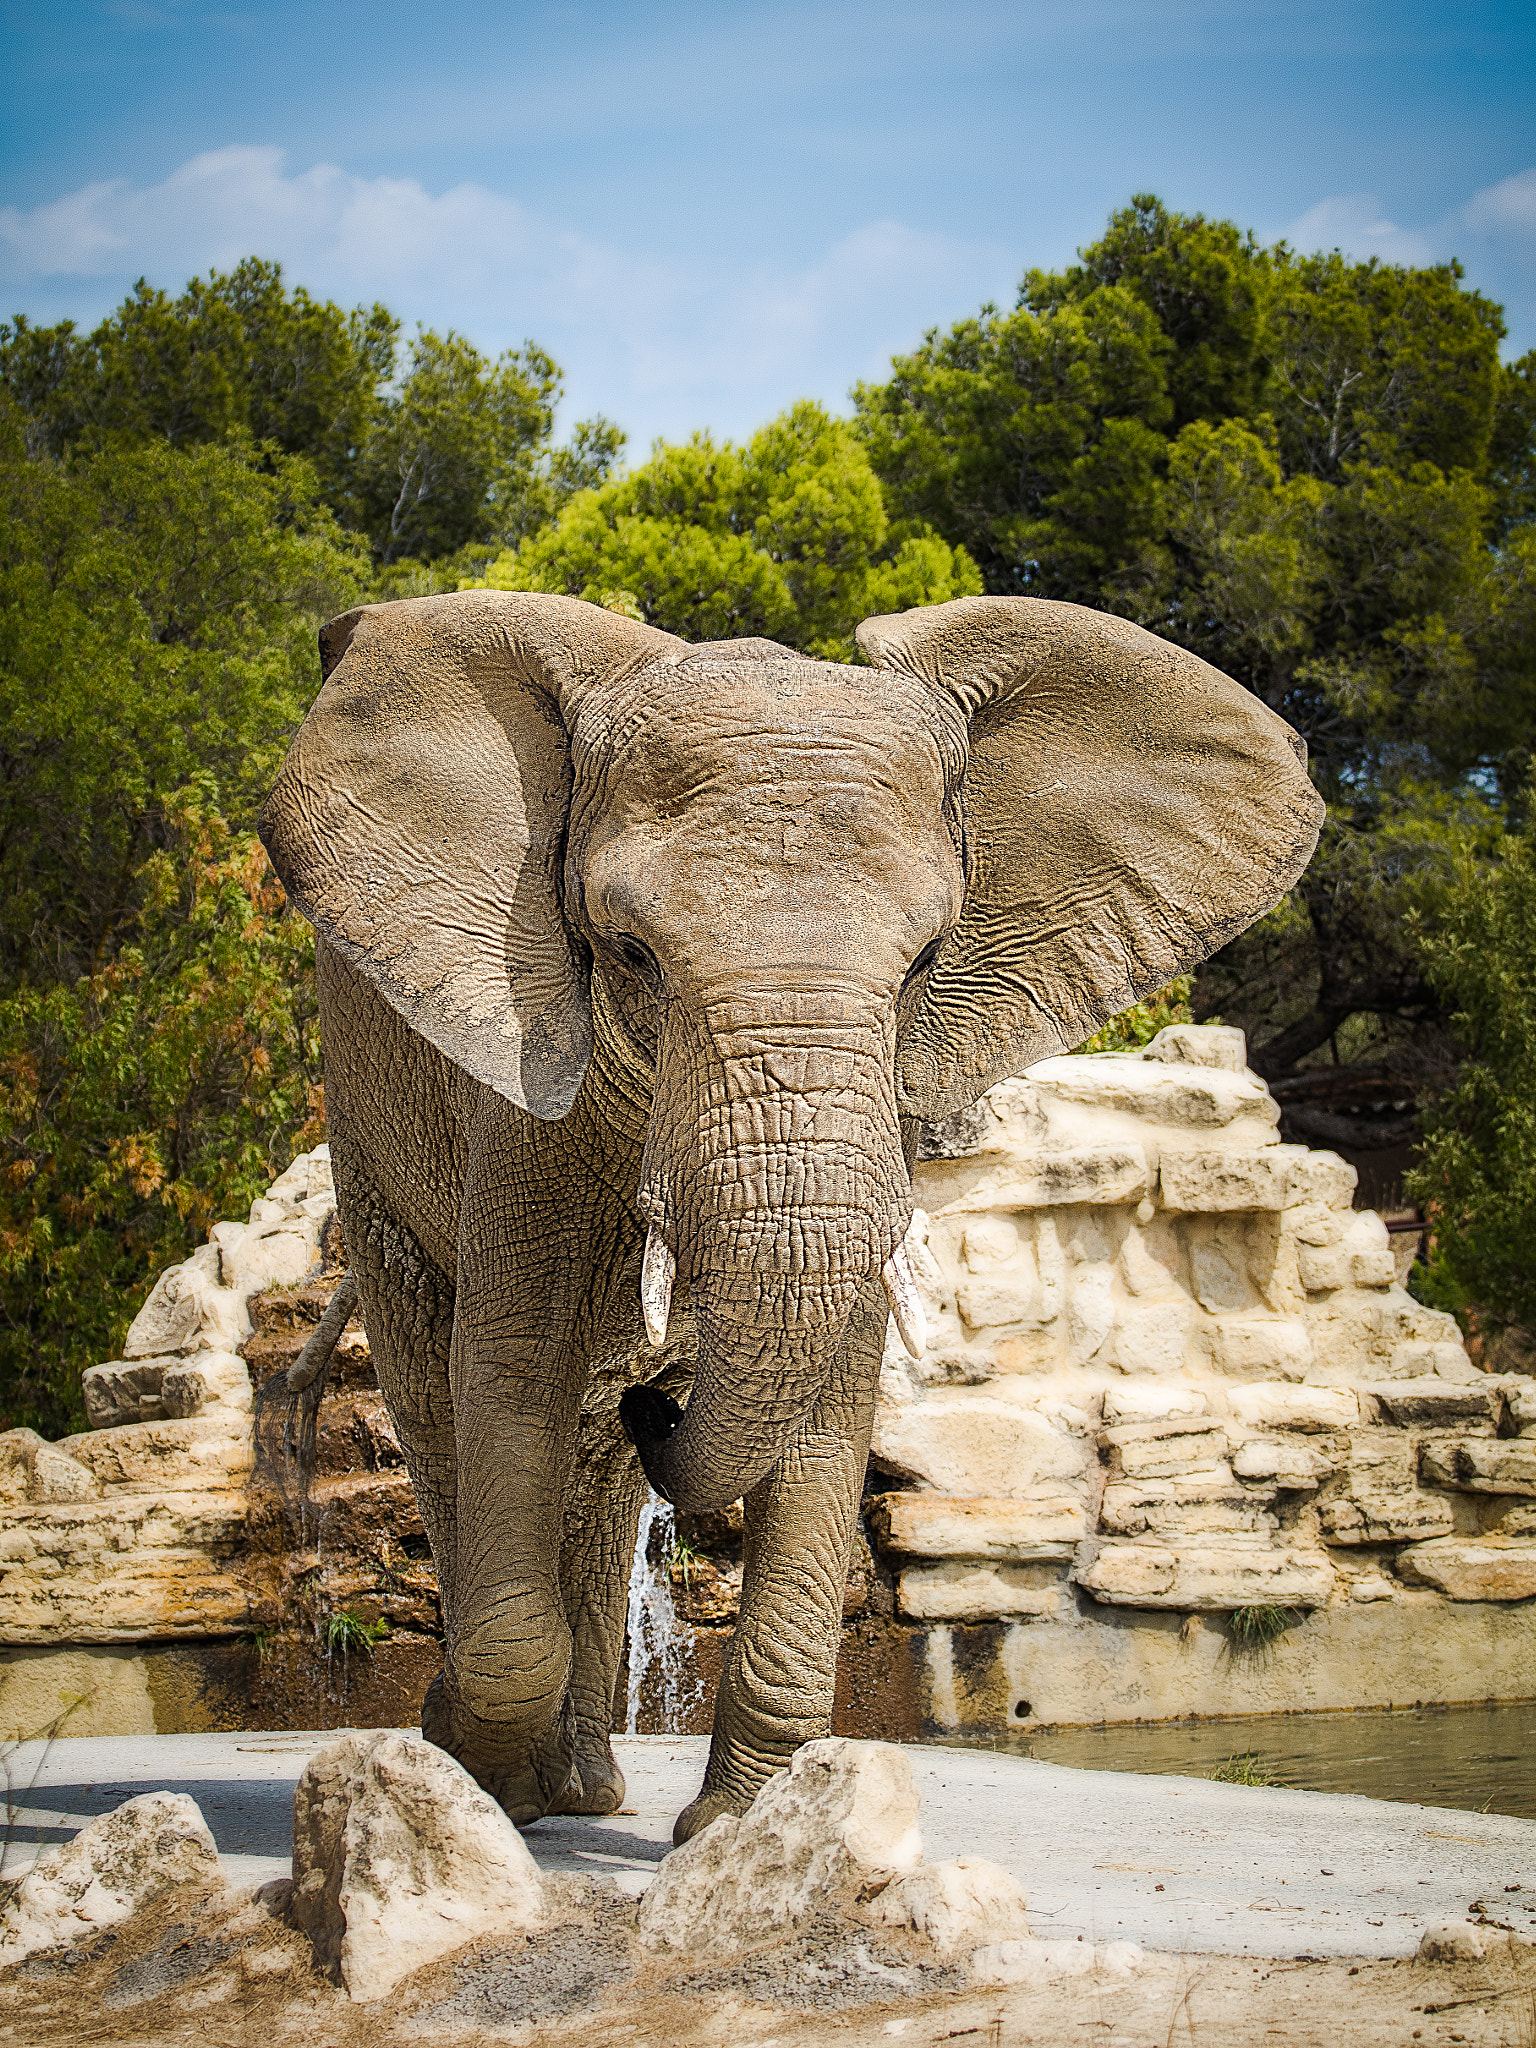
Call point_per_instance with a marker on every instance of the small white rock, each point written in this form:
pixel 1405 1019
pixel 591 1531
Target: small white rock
pixel 841 1819
pixel 113 1866
pixel 1452 1941
pixel 399 1858
pixel 959 1906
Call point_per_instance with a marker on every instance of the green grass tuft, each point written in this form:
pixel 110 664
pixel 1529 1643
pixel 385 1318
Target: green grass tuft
pixel 347 1631
pixel 1254 1627
pixel 1249 1768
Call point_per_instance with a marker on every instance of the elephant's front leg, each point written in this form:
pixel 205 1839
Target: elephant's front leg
pixel 501 1705
pixel 777 1688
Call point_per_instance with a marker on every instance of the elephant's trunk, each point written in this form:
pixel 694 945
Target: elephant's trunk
pixel 774 1176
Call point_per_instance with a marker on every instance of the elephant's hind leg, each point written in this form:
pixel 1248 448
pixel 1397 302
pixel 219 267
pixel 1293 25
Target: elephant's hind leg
pixel 407 1305
pixel 601 1517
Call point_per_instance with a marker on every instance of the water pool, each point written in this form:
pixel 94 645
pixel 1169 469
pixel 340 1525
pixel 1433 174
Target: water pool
pixel 1480 1758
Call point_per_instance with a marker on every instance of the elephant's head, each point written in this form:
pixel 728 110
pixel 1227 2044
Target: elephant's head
pixel 815 900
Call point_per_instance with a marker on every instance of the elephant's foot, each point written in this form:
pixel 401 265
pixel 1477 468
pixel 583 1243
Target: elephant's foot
pixel 596 1784
pixel 732 1780
pixel 527 1780
pixel 694 1819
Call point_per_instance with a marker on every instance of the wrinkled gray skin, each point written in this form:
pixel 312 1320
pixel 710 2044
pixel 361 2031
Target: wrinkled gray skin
pixel 618 934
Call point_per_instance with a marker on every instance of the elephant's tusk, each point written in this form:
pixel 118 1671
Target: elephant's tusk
pixel 656 1276
pixel 906 1307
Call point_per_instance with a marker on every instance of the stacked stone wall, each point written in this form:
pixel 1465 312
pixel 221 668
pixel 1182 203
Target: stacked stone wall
pixel 1172 1390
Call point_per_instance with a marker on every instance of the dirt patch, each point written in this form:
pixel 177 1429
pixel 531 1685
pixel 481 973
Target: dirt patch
pixel 215 1969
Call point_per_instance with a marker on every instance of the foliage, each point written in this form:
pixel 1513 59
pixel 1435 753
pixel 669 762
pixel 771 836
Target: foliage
pixel 456 450
pixel 1317 475
pixel 1141 1023
pixel 158 1057
pixel 1245 1768
pixel 1258 1625
pixel 346 1630
pixel 1477 1173
pixel 787 538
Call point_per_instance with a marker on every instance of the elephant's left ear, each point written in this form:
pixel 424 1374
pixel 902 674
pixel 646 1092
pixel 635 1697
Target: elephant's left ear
pixel 419 820
pixel 1129 809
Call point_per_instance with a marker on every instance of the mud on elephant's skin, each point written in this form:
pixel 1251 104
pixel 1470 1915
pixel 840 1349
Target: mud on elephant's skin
pixel 639 965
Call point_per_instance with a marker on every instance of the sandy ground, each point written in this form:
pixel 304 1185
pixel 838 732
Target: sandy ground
pixel 201 1969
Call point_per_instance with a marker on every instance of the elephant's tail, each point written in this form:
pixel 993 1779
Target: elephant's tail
pixel 288 1406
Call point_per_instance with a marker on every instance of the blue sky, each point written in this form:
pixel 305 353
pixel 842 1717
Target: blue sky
pixel 706 211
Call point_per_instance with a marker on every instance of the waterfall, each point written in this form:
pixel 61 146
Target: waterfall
pixel 658 1641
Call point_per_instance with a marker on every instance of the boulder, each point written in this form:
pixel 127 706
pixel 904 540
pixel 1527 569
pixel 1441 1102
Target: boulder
pixel 1215 1182
pixel 1203 1098
pixel 1253 1345
pixel 1489 1568
pixel 1221 1046
pixel 974 1445
pixel 1039 1531
pixel 1264 1405
pixel 1377 1500
pixel 960 1590
pixel 1438 1401
pixel 1213 1576
pixel 959 1906
pixel 1480 1464
pixel 117 1863
pixel 124 1390
pixel 1037 1962
pixel 832 1830
pixel 1294 1466
pixel 1452 1941
pixel 125 1569
pixel 1360 1256
pixel 399 1858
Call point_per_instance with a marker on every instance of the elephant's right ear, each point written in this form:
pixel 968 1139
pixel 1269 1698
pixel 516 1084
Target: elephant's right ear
pixel 419 821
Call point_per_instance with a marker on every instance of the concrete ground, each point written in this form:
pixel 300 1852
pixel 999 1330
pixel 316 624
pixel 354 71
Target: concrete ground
pixel 1176 1864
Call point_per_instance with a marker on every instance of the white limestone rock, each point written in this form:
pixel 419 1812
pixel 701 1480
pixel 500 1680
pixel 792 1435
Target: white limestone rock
pixel 1211 1576
pixel 1214 1183
pixel 959 1906
pixel 1361 1256
pixel 1037 1962
pixel 974 1445
pixel 117 1863
pixel 1041 1531
pixel 1378 1500
pixel 1294 1466
pixel 399 1858
pixel 833 1829
pixel 1452 1941
pixel 1439 1401
pixel 1254 1346
pixel 962 1590
pixel 1266 1406
pixel 1489 1568
pixel 1203 1098
pixel 1221 1046
pixel 1480 1464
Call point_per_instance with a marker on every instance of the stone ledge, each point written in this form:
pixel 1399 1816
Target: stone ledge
pixel 1207 1577
pixel 996 1531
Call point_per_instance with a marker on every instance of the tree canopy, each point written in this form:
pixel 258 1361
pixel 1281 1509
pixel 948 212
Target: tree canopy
pixel 787 538
pixel 1318 475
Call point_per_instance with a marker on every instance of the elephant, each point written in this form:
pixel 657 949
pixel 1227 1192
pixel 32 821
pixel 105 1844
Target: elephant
pixel 640 963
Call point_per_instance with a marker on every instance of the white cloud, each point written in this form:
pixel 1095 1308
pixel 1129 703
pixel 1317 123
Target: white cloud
pixel 1507 209
pixel 662 346
pixel 1354 222
pixel 1493 233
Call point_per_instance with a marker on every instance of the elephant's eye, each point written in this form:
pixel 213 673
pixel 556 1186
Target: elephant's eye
pixel 639 959
pixel 924 960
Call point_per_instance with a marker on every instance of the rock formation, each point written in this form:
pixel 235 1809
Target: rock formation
pixel 1170 1375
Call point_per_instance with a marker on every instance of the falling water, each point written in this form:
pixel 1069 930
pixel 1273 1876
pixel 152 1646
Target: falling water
pixel 658 1641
